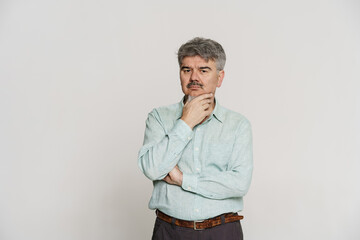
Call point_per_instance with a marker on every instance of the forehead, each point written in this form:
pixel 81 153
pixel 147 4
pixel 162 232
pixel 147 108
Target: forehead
pixel 196 61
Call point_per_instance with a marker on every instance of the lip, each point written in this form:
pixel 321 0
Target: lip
pixel 195 87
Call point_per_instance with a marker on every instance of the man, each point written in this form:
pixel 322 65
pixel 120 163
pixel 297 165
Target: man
pixel 197 153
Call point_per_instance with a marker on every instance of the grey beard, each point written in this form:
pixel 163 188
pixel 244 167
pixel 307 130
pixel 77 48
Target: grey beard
pixel 189 98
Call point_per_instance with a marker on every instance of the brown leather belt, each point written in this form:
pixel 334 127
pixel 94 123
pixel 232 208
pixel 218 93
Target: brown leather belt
pixel 199 225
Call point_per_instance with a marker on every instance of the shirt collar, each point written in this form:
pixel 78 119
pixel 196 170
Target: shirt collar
pixel 217 112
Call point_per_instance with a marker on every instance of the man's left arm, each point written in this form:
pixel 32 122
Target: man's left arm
pixel 233 182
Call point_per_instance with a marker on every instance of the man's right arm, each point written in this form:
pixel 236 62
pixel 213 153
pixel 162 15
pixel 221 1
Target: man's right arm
pixel 162 150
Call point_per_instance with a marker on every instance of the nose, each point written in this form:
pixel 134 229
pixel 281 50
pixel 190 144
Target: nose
pixel 194 76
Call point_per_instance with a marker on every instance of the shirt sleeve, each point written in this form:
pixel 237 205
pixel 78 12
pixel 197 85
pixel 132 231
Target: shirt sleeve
pixel 235 181
pixel 162 150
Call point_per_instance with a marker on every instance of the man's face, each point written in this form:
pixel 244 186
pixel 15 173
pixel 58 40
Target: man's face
pixel 198 76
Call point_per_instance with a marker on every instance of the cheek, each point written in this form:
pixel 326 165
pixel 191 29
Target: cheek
pixel 183 84
pixel 184 79
pixel 213 82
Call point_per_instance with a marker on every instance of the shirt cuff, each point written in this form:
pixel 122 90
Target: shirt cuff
pixel 189 182
pixel 183 131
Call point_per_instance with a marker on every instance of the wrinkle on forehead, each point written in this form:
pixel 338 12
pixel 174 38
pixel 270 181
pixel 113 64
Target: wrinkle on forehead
pixel 197 62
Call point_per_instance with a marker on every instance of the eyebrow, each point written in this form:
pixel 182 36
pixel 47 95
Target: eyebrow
pixel 185 67
pixel 205 68
pixel 201 68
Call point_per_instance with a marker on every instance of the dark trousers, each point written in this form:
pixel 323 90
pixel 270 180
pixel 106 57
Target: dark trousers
pixel 168 231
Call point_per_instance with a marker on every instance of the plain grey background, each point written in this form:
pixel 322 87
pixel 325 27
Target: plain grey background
pixel 78 78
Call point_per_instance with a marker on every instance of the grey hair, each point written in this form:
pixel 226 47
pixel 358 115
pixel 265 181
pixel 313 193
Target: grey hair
pixel 206 48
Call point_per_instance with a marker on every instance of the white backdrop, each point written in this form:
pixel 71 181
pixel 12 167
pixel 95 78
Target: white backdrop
pixel 78 78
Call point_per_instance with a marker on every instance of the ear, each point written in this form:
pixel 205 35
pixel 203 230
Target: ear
pixel 221 76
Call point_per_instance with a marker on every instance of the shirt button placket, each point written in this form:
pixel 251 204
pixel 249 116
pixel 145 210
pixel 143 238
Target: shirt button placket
pixel 197 143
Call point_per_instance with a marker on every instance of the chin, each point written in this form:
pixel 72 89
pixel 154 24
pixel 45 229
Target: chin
pixel 195 93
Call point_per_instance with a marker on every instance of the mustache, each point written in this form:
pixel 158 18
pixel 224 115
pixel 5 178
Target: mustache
pixel 193 84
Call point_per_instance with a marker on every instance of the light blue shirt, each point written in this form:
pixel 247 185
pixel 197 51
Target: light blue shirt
pixel 215 158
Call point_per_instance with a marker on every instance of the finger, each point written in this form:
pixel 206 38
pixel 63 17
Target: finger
pixel 206 106
pixel 207 100
pixel 208 112
pixel 167 179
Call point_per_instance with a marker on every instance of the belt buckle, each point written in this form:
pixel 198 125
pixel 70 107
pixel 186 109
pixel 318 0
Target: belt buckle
pixel 197 229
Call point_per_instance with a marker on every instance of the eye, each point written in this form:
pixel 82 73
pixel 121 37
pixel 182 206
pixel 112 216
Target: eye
pixel 186 70
pixel 204 71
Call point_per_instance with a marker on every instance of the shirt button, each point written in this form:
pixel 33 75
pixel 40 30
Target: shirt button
pixel 189 138
pixel 198 169
pixel 189 188
pixel 196 210
pixel 196 149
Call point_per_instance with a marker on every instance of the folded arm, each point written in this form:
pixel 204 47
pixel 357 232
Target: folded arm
pixel 162 150
pixel 235 181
